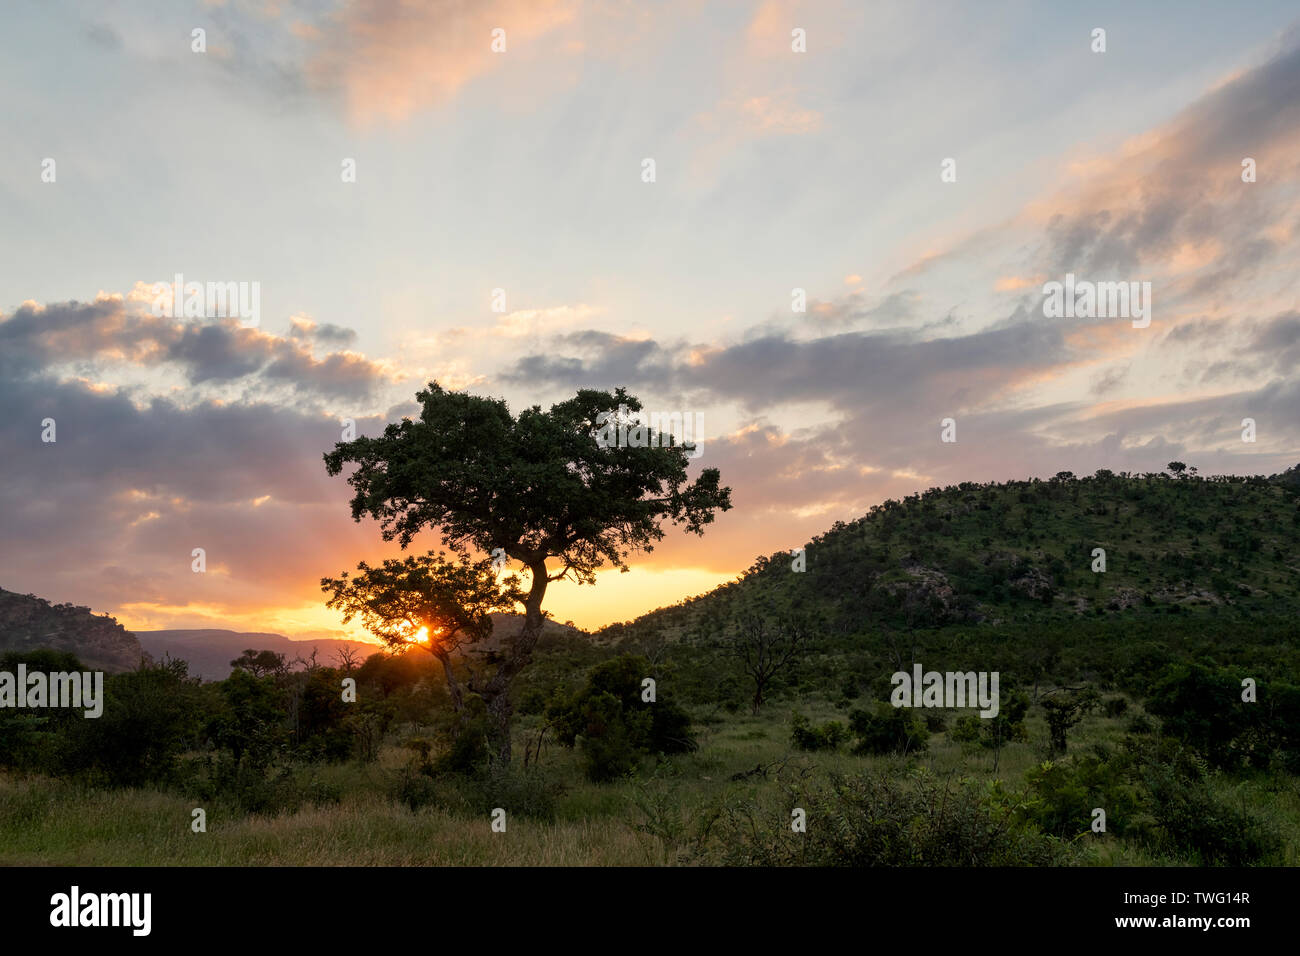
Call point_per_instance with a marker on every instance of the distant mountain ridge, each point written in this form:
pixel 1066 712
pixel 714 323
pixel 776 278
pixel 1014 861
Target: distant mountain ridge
pixel 209 651
pixel 29 623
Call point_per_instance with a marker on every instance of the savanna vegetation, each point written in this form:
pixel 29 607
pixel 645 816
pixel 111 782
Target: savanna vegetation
pixel 706 732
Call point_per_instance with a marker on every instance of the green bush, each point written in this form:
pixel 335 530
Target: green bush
pixel 888 729
pixel 878 819
pixel 966 729
pixel 151 715
pixel 828 736
pixel 613 726
pixel 1064 794
pixel 35 741
pixel 414 789
pixel 520 792
pixel 1115 706
pixel 250 723
pixel 1189 815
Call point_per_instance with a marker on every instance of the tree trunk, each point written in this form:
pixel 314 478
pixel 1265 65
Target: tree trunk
pixel 453 685
pixel 519 651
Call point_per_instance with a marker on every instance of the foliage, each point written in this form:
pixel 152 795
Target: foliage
pixel 827 736
pixel 151 716
pixel 614 725
pixel 887 729
pixel 535 487
pixel 879 819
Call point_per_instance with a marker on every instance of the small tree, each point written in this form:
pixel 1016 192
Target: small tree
pixel 766 643
pixel 429 602
pixel 1062 714
pixel 250 723
pixel 150 718
pixel 886 729
pixel 261 663
pixel 348 658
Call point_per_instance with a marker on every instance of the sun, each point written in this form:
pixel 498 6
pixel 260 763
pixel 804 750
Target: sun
pixel 422 636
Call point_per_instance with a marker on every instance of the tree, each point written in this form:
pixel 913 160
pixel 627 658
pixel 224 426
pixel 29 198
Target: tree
pixel 1062 714
pixel 250 721
pixel 766 642
pixel 1202 707
pixel 349 659
pixel 1177 468
pixel 151 717
pixel 261 663
pixel 428 601
pixel 540 487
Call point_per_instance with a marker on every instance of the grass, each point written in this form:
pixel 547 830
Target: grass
pixel 655 818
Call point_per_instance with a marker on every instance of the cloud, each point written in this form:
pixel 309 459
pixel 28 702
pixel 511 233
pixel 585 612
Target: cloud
pixel 117 332
pixel 843 406
pixel 111 510
pixel 391 59
pixel 777 114
pixel 1180 188
pixel 142 472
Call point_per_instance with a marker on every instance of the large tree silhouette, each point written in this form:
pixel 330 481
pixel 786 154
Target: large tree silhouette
pixel 542 487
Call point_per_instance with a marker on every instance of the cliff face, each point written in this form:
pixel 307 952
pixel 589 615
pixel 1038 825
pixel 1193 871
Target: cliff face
pixel 29 623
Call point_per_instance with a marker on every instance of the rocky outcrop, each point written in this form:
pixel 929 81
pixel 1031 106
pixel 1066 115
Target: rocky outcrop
pixel 29 623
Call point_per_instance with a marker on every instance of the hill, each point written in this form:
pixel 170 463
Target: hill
pixel 1024 552
pixel 29 623
pixel 210 651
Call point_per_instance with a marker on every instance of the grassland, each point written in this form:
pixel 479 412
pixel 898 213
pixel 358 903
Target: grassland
pixel 353 813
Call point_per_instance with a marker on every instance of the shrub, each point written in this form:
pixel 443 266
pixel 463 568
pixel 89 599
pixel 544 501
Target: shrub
pixel 1115 706
pixel 151 715
pixel 1190 816
pixel 525 793
pixel 414 789
pixel 807 737
pixel 1065 793
pixel 35 740
pixel 611 724
pixel 1062 714
pixel 876 819
pixel 888 729
pixel 966 729
pixel 250 723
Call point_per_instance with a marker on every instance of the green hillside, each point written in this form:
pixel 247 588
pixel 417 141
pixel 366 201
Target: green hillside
pixel 1022 552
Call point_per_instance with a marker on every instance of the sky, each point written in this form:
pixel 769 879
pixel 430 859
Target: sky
pixel 458 191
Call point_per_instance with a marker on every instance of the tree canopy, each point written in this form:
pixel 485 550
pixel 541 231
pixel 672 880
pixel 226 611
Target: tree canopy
pixel 538 487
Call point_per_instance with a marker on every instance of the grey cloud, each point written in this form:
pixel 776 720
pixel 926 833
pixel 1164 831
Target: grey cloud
pixel 210 351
